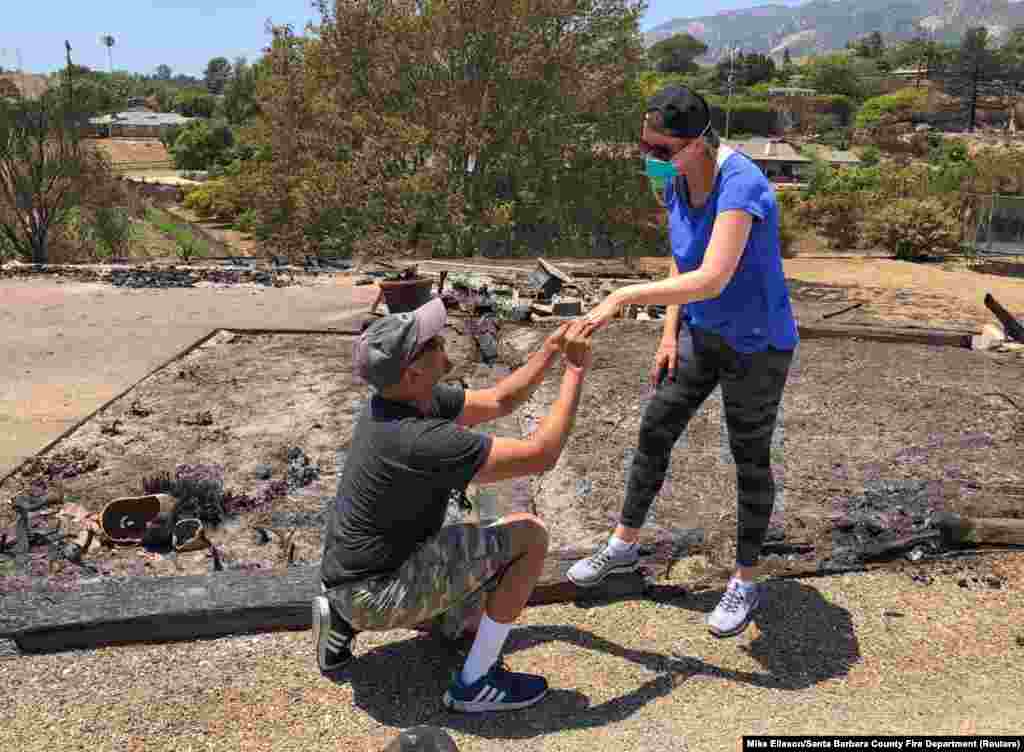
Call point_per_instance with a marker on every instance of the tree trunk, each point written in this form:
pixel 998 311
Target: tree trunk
pixel 39 246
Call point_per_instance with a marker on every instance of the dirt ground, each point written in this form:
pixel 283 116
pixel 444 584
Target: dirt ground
pixel 132 149
pixel 871 654
pixel 72 346
pixel 854 412
pixel 931 649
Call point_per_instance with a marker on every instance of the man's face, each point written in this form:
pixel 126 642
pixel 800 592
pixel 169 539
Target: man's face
pixel 431 364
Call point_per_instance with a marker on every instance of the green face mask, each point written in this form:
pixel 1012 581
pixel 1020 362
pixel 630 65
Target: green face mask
pixel 658 168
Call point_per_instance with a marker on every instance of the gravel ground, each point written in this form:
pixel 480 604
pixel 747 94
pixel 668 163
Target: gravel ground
pixel 872 653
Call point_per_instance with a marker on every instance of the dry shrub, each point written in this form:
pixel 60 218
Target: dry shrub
pixel 838 217
pixel 221 199
pixel 790 221
pixel 913 228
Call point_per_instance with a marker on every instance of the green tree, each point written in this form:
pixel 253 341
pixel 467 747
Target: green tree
pixel 677 54
pixel 749 69
pixel 217 75
pixel 240 103
pixel 201 145
pixel 45 170
pixel 393 119
pixel 1012 51
pixel 113 230
pixel 194 103
pixel 976 47
pixel 163 73
pixel 835 74
pixel 870 46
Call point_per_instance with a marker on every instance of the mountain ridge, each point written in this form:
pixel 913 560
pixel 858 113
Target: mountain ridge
pixel 820 26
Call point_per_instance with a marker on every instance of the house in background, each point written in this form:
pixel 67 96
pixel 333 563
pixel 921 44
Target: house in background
pixel 791 91
pixel 778 159
pixel 832 157
pixel 138 122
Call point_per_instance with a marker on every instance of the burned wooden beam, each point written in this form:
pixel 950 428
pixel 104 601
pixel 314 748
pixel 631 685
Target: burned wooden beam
pixel 164 609
pixel 980 530
pixel 888 334
pixel 554 271
pixel 1011 326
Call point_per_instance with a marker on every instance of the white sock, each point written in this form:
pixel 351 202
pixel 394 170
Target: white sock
pixel 746 585
pixel 490 639
pixel 619 546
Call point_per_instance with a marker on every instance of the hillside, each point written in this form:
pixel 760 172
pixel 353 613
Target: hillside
pixel 822 25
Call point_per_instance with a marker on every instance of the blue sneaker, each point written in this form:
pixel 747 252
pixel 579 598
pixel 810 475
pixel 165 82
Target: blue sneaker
pixel 498 689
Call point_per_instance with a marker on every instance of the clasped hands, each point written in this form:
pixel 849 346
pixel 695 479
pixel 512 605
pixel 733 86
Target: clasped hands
pixel 572 340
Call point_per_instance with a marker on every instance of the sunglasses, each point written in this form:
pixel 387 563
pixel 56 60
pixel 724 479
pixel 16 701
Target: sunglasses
pixel 663 152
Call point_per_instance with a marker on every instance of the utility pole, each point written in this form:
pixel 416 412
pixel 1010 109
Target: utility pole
pixel 974 98
pixel 732 78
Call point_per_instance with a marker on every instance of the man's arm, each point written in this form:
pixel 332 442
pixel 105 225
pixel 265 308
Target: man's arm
pixel 482 405
pixel 514 458
pixel 504 397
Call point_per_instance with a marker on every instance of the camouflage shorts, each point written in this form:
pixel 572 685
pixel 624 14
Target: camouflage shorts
pixel 452 569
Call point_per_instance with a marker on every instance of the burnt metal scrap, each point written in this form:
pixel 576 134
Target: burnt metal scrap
pixel 890 519
pixel 484 332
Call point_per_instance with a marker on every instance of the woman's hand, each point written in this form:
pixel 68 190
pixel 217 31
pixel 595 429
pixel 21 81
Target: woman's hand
pixel 665 360
pixel 605 311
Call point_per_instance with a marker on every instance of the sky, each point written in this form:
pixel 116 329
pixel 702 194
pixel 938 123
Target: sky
pixel 185 34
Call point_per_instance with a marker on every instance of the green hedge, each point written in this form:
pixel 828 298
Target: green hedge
pixel 746 116
pixel 902 101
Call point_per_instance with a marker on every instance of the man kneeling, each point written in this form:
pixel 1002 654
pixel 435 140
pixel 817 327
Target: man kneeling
pixel 389 563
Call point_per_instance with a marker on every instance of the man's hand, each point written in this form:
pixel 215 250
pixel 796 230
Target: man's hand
pixel 665 360
pixel 577 350
pixel 555 342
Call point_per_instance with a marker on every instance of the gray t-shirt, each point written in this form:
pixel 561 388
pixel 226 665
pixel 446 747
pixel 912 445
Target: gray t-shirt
pixel 402 468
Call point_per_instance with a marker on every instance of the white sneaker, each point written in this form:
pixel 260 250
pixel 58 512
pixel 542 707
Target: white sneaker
pixel 594 569
pixel 733 613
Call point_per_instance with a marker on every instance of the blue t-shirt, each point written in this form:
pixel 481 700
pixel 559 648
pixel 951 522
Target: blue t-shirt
pixel 753 312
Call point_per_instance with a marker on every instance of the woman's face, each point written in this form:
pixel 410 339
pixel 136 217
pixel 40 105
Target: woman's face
pixel 684 153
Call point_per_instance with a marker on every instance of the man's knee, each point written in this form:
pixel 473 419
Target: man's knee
pixel 527 532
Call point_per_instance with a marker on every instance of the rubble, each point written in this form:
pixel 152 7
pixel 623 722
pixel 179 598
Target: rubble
pixel 61 465
pixel 301 472
pixel 568 307
pixel 889 516
pixel 150 276
pixel 153 278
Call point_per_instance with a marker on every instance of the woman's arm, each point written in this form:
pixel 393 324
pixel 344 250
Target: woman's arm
pixel 671 330
pixel 728 239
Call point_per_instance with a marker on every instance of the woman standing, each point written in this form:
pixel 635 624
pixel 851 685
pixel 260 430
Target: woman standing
pixel 729 321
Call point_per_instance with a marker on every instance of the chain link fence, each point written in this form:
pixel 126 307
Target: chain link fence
pixel 994 224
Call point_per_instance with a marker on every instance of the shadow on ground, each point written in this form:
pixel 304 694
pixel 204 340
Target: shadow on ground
pixel 803 640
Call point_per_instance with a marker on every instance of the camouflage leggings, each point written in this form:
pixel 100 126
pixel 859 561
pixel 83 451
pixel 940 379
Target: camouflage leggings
pixel 752 386
pixel 454 568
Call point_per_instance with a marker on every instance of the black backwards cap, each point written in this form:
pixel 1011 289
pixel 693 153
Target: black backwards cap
pixel 684 113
